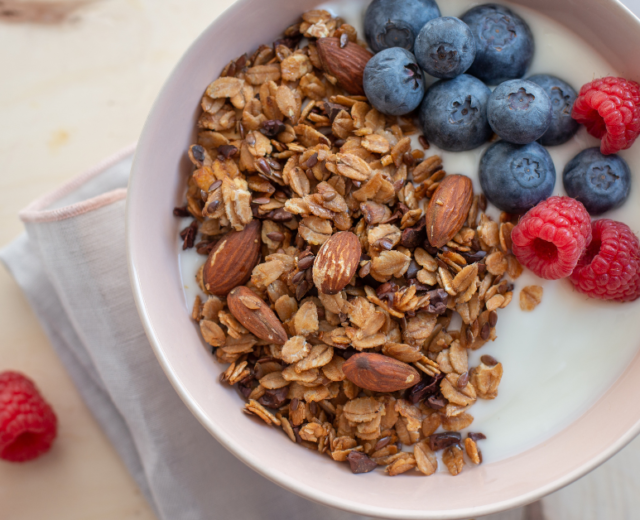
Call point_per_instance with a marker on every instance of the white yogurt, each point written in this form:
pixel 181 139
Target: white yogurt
pixel 560 358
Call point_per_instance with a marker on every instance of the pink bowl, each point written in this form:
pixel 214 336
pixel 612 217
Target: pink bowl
pixel 157 185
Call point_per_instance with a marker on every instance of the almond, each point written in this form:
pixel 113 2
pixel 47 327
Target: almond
pixel 232 259
pixel 255 315
pixel 336 262
pixel 346 64
pixel 379 373
pixel 448 209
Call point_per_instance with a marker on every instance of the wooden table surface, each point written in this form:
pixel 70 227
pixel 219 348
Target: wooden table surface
pixel 78 79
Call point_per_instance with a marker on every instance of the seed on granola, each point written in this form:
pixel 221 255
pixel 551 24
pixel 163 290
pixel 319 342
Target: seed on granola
pixel 227 150
pixel 476 436
pixel 275 236
pixel 360 463
pixel 463 380
pixel 440 441
pixel 488 360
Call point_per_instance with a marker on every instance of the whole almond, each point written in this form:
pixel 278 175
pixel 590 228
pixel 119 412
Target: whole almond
pixel 379 373
pixel 448 209
pixel 336 262
pixel 346 64
pixel 255 315
pixel 232 259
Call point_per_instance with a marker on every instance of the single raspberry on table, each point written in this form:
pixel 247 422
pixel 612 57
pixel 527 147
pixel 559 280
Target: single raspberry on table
pixel 610 109
pixel 28 425
pixel 550 237
pixel 609 269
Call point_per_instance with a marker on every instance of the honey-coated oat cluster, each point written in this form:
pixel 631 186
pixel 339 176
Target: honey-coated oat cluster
pixel 337 256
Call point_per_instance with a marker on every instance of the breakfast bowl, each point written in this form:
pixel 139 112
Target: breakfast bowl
pixel 571 367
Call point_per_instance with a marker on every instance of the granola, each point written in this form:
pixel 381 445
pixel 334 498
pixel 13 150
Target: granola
pixel 280 142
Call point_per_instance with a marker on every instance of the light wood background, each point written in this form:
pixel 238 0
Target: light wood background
pixel 76 83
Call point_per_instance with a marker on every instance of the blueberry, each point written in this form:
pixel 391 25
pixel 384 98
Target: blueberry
pixel 393 82
pixel 445 47
pixel 504 43
pixel 453 113
pixel 519 111
pixel 600 182
pixel 396 23
pixel 563 127
pixel 516 177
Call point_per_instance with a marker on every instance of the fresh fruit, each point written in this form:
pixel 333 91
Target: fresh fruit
pixel 28 425
pixel 550 238
pixel 379 373
pixel 336 262
pixel 609 269
pixel 514 177
pixel 519 111
pixel 448 209
pixel 232 259
pixel 562 95
pixel 254 314
pixel 393 82
pixel 609 108
pixel 396 23
pixel 346 64
pixel 600 182
pixel 445 47
pixel 504 43
pixel 454 113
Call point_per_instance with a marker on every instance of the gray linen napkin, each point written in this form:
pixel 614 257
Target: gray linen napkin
pixel 71 264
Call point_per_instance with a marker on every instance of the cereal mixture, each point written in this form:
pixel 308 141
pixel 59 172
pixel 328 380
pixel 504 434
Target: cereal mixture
pixel 336 258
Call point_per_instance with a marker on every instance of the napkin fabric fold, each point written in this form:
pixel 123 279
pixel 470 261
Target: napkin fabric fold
pixel 71 264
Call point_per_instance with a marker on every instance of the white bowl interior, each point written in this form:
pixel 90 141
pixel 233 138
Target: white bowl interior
pixel 157 185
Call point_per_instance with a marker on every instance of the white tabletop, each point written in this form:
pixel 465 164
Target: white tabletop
pixel 76 86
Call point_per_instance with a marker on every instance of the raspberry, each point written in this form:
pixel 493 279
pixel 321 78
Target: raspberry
pixel 609 269
pixel 550 237
pixel 610 109
pixel 28 425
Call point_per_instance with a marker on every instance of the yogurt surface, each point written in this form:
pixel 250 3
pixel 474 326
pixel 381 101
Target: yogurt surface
pixel 562 357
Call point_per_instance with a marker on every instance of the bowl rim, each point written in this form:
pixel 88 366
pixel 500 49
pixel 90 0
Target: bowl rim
pixel 237 449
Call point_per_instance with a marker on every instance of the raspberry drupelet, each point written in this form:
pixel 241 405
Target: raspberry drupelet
pixel 28 425
pixel 550 237
pixel 610 109
pixel 609 269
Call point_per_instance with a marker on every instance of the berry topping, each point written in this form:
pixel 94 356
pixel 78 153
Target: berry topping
pixel 445 47
pixel 609 268
pixel 454 113
pixel 396 23
pixel 393 82
pixel 519 111
pixel 516 177
pixel 600 182
pixel 27 423
pixel 562 95
pixel 609 108
pixel 550 238
pixel 504 43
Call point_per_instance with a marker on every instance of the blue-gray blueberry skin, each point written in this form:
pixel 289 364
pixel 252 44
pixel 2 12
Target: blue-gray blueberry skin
pixel 504 43
pixel 515 178
pixel 600 182
pixel 396 23
pixel 393 82
pixel 453 113
pixel 562 95
pixel 519 111
pixel 445 47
